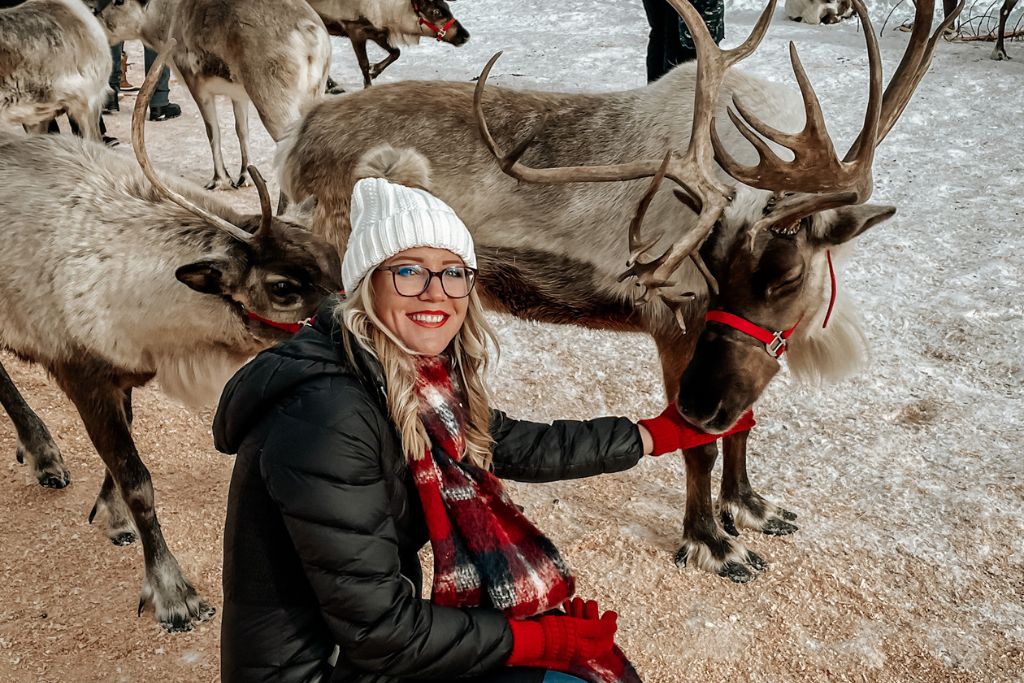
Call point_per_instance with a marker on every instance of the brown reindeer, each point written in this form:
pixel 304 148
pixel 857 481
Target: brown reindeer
pixel 762 230
pixel 387 23
pixel 111 277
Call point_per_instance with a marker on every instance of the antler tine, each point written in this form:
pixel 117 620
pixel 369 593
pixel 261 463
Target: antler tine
pixel 636 245
pixel 266 209
pixel 902 86
pixel 139 143
pixel 815 167
pixel 510 164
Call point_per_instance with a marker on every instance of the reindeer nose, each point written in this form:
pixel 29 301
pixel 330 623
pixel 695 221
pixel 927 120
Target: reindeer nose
pixel 461 35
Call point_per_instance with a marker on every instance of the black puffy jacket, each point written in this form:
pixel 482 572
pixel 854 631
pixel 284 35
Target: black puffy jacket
pixel 324 523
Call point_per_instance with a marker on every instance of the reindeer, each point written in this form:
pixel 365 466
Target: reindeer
pixel 275 53
pixel 110 278
pixel 54 59
pixel 752 242
pixel 387 22
pixel 819 11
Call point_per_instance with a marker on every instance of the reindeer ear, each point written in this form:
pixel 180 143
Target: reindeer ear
pixel 848 222
pixel 203 276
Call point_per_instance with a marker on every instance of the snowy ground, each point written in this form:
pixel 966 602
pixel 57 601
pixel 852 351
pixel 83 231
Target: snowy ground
pixel 908 479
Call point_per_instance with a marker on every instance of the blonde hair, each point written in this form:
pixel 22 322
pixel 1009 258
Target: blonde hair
pixel 469 358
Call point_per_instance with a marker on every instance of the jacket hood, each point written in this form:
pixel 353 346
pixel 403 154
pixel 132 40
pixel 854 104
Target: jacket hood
pixel 314 351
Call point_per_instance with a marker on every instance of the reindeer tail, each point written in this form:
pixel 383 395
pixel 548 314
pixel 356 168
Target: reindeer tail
pixel 404 166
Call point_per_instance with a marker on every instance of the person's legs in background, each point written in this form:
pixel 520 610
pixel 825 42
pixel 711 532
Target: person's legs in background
pixel 663 48
pixel 160 107
pixel 713 13
pixel 116 52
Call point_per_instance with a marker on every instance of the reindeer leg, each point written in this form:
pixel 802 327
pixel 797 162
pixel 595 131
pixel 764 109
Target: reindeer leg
pixel 999 52
pixel 738 504
pixel 120 527
pixel 101 403
pixel 34 440
pixel 704 541
pixel 241 108
pixel 208 110
pixel 358 39
pixel 381 39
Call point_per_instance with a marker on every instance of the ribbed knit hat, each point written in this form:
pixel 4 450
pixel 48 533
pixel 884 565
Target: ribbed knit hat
pixel 388 217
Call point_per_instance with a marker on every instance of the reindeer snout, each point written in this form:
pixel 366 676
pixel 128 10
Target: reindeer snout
pixel 461 35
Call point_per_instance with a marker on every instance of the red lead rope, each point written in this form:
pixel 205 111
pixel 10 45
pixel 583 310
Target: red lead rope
pixel 774 341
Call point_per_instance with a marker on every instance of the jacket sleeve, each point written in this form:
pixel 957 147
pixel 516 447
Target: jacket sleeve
pixel 321 465
pixel 565 449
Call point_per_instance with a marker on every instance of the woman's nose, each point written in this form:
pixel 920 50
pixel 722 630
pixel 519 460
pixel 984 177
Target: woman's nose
pixel 434 290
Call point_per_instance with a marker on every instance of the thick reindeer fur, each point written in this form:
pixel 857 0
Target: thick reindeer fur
pixel 553 252
pixel 107 285
pixel 54 58
pixel 403 166
pixel 275 53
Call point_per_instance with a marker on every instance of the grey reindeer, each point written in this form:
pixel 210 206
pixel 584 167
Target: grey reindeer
pixel 274 53
pixel 111 277
pixel 54 59
pixel 750 235
pixel 388 23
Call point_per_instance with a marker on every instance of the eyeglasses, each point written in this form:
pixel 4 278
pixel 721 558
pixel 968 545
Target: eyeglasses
pixel 412 280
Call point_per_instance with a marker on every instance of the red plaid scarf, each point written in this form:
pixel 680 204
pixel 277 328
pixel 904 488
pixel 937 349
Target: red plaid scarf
pixel 482 542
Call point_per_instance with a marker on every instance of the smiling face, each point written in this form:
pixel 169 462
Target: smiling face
pixel 426 323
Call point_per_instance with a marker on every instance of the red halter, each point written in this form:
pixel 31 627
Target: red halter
pixel 287 327
pixel 439 33
pixel 774 341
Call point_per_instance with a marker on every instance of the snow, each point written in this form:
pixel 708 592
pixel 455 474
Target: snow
pixel 907 477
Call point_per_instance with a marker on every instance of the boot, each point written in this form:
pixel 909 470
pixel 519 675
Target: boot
pixel 125 85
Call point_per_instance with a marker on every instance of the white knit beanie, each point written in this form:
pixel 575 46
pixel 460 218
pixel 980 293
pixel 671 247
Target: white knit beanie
pixel 388 217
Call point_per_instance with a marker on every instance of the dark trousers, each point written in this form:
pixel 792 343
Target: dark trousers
pixel 670 41
pixel 160 95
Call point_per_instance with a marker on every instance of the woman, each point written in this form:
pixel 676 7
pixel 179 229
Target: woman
pixel 369 433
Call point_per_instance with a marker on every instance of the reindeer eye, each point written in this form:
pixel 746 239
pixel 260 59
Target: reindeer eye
pixel 283 288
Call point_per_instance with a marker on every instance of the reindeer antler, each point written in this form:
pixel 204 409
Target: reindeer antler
pixel 266 209
pixel 693 171
pixel 139 143
pixel 816 179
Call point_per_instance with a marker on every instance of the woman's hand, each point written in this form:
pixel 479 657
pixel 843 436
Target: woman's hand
pixel 560 641
pixel 670 432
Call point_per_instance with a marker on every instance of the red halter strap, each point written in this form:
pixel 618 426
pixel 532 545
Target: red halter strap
pixel 774 341
pixel 287 327
pixel 439 33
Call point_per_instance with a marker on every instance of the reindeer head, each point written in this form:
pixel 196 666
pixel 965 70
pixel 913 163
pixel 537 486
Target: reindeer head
pixel 762 244
pixel 122 19
pixel 779 279
pixel 276 273
pixel 437 21
pixel 819 11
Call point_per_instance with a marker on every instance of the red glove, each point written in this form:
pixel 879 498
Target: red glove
pixel 560 641
pixel 670 432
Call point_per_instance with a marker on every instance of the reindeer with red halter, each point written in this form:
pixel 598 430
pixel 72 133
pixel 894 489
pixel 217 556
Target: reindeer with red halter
pixel 740 272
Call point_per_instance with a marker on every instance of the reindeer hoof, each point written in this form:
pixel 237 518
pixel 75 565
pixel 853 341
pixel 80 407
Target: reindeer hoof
pixel 123 538
pixel 682 555
pixel 55 481
pixel 177 605
pixel 778 527
pixel 220 184
pixel 735 572
pixel 756 561
pixel 243 181
pixel 46 461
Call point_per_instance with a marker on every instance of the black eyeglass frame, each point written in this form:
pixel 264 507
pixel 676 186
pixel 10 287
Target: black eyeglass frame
pixel 430 278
